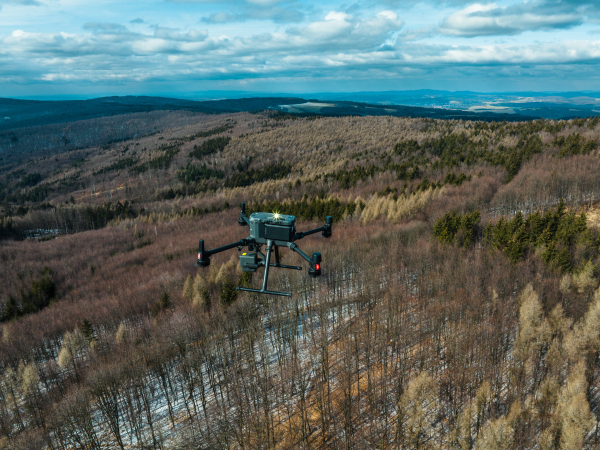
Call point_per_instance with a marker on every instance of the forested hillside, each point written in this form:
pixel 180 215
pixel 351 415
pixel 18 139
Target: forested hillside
pixel 458 306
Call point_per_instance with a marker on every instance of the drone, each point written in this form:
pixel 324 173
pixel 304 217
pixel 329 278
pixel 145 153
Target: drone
pixel 273 230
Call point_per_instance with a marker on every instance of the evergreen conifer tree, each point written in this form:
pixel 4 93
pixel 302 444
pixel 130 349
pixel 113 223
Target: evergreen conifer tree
pixel 563 260
pixel 165 300
pixel 11 310
pixel 229 293
pixel 87 329
pixel 245 279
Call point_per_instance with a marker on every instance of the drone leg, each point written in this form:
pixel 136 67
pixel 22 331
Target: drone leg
pixel 269 245
pixel 264 290
pixel 282 266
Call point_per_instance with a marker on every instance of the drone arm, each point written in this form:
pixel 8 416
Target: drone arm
pixel 242 243
pixel 293 247
pixel 314 269
pixel 325 229
pixel 303 234
pixel 204 255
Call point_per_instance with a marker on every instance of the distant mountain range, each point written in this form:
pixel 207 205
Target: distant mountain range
pixel 16 113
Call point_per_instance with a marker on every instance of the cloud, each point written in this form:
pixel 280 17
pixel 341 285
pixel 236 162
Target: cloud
pixel 563 5
pixel 410 3
pixel 138 20
pixel 277 14
pixel 337 40
pixel 416 34
pixel 570 52
pixel 333 15
pixel 327 41
pixel 492 20
pixel 169 34
pixel 340 31
pixel 339 45
pixel 223 17
pixel 253 2
pixel 105 27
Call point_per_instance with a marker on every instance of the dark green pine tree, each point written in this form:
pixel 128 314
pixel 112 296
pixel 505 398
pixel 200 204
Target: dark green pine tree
pixel 87 329
pixel 11 310
pixel 545 237
pixel 563 260
pixel 245 279
pixel 165 300
pixel 500 234
pixel 550 254
pixel 468 224
pixel 515 249
pixel 512 166
pixel 229 293
pixel 446 227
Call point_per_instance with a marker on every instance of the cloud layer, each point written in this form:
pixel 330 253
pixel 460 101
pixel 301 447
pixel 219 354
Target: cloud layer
pixel 363 45
pixel 493 20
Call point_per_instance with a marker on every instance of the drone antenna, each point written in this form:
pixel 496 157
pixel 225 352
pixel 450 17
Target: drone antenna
pixel 243 220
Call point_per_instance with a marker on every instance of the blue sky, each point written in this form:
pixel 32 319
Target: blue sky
pixel 183 47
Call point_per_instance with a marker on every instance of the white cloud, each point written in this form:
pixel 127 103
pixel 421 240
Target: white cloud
pixel 333 15
pixel 223 17
pixel 340 31
pixel 174 35
pixel 385 20
pixel 337 45
pixel 490 19
pixel 272 11
pixel 339 50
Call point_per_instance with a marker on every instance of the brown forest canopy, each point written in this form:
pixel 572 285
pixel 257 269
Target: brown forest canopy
pixel 458 307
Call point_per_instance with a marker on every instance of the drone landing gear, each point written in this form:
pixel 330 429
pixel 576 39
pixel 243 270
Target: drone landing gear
pixel 282 266
pixel 268 264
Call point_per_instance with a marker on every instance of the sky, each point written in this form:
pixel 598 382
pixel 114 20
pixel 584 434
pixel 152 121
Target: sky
pixel 186 47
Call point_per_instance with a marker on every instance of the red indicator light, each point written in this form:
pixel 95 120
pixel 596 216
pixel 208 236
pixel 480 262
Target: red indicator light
pixel 318 266
pixel 199 256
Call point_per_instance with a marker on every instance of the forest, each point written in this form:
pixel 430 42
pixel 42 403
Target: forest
pixel 458 306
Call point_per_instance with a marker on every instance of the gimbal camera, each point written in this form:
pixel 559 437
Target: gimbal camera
pixel 274 230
